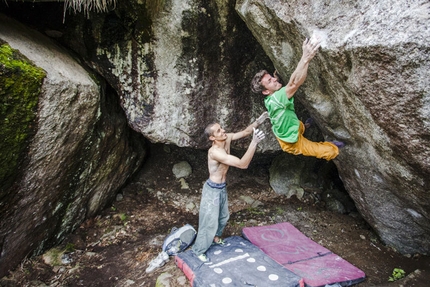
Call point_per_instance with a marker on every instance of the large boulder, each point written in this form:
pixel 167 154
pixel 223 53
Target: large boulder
pixel 177 67
pixel 368 86
pixel 66 146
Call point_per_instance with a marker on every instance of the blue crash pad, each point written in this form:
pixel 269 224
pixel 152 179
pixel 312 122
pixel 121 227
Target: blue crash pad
pixel 237 263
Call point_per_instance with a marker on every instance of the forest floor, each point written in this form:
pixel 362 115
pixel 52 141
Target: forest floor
pixel 115 248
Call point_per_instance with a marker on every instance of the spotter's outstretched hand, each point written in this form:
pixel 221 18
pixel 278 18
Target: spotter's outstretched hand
pixel 258 136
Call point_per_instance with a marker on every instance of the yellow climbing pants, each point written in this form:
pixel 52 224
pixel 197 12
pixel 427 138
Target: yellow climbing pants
pixel 325 150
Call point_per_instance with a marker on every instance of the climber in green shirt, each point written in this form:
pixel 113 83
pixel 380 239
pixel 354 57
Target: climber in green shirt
pixel 279 103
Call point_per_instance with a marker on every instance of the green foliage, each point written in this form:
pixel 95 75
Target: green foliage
pixel 397 274
pixel 254 211
pixel 70 247
pixel 20 84
pixel 236 224
pixel 279 210
pixel 123 216
pixel 53 256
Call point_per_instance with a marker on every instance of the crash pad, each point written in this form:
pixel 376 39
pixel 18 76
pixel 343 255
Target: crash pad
pixel 237 263
pixel 317 265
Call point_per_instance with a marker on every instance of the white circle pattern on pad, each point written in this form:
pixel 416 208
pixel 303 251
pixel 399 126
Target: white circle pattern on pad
pixel 261 268
pixel 273 277
pixel 218 270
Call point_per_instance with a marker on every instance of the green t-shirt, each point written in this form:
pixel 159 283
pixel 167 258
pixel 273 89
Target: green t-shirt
pixel 285 124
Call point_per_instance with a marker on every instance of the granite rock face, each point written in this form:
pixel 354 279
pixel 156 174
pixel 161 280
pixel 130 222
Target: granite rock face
pixel 79 153
pixel 177 67
pixel 369 87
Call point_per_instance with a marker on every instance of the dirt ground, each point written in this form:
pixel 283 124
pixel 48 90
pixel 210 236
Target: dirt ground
pixel 115 248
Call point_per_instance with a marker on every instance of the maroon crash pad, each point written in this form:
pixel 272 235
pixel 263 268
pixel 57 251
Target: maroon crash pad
pixel 317 265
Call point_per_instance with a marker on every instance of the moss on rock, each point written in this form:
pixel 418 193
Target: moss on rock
pixel 20 84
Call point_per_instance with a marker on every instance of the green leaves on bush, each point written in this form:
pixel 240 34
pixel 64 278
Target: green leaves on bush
pixel 397 274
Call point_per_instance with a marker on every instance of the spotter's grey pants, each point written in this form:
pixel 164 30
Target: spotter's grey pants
pixel 213 215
